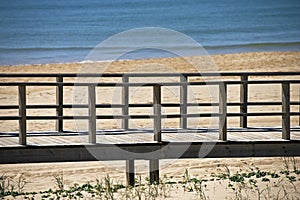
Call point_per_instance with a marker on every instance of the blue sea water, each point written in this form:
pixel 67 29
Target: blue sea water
pixel 42 31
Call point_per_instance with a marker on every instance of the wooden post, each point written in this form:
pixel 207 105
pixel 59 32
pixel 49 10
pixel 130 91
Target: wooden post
pixel 92 114
pixel 154 164
pixel 59 103
pixel 125 125
pixel 157 112
pixel 183 102
pixel 130 172
pixel 222 111
pixel 125 102
pixel 154 171
pixel 286 110
pixel 22 114
pixel 244 101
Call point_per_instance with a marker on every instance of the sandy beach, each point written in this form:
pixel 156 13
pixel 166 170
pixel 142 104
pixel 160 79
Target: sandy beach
pixel 247 62
pixel 39 177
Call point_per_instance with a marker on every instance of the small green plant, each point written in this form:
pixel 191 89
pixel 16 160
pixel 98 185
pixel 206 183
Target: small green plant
pixel 253 182
pixel 99 187
pixel 3 185
pixel 139 190
pixel 12 186
pixel 237 178
pixel 194 185
pixel 187 186
pixel 110 188
pixel 199 186
pixel 265 179
pixel 285 172
pixel 260 174
pixel 227 171
pixel 59 181
pixel 250 174
pixel 286 161
pixel 291 178
pixel 21 182
pixel 274 175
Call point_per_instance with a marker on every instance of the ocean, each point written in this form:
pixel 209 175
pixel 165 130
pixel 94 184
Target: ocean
pixel 40 31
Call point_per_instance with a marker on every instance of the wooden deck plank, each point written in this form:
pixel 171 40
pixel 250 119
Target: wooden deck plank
pixel 111 145
pixel 250 134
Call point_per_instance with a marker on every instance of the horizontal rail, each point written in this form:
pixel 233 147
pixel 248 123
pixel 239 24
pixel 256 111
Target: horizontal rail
pixel 147 84
pixel 24 75
pixel 145 105
pixel 148 116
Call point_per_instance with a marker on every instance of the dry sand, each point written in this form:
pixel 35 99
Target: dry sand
pixel 40 176
pixel 247 62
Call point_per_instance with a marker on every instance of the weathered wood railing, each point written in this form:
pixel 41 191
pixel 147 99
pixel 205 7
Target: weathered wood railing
pixel 286 79
pixel 157 116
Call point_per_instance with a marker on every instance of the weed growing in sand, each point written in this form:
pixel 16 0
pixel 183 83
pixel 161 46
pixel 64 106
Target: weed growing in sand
pixel 146 190
pixel 59 181
pixel 109 188
pixel 194 184
pixel 11 186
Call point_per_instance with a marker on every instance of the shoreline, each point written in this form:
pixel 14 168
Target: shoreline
pixel 232 52
pixel 65 55
pixel 260 61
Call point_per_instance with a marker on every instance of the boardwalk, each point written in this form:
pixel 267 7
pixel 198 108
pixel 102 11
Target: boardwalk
pixel 157 142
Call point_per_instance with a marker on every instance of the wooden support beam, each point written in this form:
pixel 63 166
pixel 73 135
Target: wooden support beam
pixel 222 111
pixel 92 113
pixel 125 102
pixel 154 171
pixel 59 103
pixel 183 102
pixel 130 172
pixel 106 152
pixel 286 111
pixel 157 112
pixel 244 101
pixel 22 114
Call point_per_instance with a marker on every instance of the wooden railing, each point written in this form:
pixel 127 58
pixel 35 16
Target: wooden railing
pixel 286 79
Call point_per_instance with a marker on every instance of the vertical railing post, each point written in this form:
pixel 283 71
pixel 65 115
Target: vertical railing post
pixel 22 114
pixel 222 111
pixel 286 110
pixel 154 171
pixel 92 113
pixel 157 112
pixel 154 163
pixel 299 109
pixel 125 102
pixel 244 101
pixel 130 172
pixel 183 102
pixel 125 125
pixel 59 103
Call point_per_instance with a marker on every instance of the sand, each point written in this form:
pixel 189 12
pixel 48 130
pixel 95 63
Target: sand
pixel 40 176
pixel 247 62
